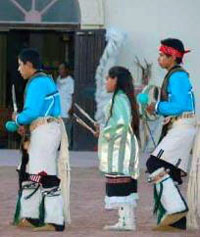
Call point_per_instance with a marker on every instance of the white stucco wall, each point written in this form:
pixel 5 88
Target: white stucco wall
pixel 146 22
pixel 92 14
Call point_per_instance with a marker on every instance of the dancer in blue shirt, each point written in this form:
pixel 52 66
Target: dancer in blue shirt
pixel 169 160
pixel 40 203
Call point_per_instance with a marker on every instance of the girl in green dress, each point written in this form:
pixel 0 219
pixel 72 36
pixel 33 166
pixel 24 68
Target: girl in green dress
pixel 118 148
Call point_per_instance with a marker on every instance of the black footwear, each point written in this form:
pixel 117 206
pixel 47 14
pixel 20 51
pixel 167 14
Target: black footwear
pixel 170 220
pixel 181 224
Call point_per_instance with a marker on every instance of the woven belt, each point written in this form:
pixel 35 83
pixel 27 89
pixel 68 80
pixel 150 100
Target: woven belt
pixel 186 115
pixel 182 116
pixel 42 121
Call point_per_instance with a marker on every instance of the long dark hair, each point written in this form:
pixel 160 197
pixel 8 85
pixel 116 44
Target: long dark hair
pixel 125 83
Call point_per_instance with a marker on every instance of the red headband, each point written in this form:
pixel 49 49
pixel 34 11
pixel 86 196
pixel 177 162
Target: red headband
pixel 171 51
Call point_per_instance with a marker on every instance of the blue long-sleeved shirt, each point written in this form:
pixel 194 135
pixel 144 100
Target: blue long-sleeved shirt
pixel 180 96
pixel 41 99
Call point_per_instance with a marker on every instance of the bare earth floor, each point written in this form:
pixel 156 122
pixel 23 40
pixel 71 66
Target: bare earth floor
pixel 88 214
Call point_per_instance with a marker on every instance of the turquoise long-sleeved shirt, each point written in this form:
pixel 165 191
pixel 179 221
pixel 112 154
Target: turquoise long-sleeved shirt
pixel 180 96
pixel 41 99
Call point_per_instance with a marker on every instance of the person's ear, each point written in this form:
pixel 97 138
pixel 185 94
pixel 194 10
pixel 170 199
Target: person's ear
pixel 115 78
pixel 29 64
pixel 174 58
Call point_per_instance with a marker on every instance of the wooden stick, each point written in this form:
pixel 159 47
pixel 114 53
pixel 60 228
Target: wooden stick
pixel 85 114
pixel 82 123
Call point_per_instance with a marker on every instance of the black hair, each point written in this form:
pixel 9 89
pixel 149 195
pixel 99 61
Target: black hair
pixel 176 44
pixel 125 83
pixel 32 56
pixel 66 65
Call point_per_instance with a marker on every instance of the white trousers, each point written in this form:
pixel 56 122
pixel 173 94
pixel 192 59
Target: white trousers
pixel 43 149
pixel 175 147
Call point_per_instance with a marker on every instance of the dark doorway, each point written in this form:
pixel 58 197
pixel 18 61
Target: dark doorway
pixel 89 47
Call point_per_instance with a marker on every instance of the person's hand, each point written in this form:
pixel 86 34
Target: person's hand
pixel 166 120
pixel 97 130
pixel 26 145
pixel 71 111
pixel 14 114
pixel 151 108
pixel 21 130
pixel 96 134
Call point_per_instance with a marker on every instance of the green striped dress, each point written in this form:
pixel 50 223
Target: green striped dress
pixel 118 149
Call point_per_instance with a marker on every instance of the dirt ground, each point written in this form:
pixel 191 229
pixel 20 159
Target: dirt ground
pixel 87 212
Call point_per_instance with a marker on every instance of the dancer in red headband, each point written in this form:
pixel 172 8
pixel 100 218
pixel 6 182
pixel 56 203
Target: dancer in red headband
pixel 169 161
